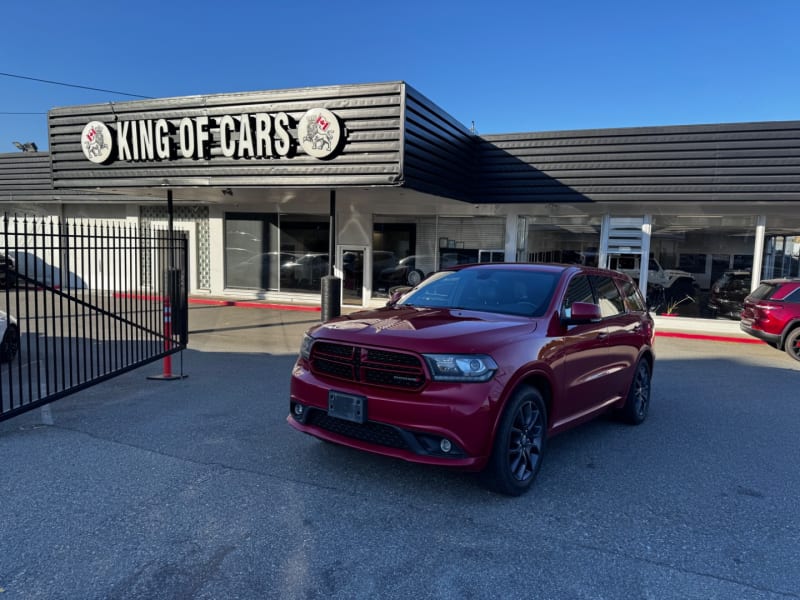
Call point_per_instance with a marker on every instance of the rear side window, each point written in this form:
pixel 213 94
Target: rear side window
pixel 764 291
pixel 633 297
pixel 608 296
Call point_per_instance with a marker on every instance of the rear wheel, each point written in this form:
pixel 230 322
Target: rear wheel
pixel 792 344
pixel 638 401
pixel 519 444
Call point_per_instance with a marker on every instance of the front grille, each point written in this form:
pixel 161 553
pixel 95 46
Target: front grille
pixel 383 368
pixel 392 358
pixel 374 433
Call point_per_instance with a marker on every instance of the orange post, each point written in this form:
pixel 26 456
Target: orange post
pixel 166 373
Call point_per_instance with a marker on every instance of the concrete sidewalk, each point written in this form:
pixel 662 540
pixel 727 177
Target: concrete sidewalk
pixel 723 330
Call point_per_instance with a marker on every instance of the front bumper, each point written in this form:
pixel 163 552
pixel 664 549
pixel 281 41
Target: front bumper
pixel 409 426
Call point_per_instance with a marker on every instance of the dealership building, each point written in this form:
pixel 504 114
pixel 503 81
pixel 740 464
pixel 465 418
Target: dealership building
pixel 267 185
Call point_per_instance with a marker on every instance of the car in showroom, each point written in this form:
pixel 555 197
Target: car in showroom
pixel 413 269
pixel 772 314
pixel 256 270
pixel 675 283
pixel 306 270
pixel 408 271
pixel 477 366
pixel 727 294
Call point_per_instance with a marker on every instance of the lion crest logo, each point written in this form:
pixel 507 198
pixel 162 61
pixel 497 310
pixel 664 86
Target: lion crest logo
pixel 96 142
pixel 320 133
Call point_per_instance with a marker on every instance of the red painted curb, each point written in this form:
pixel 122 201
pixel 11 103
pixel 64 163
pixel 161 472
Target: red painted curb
pixel 706 337
pixel 253 304
pixel 216 302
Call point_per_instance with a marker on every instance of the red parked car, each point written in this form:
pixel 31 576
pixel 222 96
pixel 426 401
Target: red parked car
pixel 478 366
pixel 772 313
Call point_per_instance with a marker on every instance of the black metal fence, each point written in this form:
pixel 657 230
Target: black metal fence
pixel 76 308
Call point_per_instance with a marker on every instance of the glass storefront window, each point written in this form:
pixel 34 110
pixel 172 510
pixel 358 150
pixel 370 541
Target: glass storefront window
pixel 395 260
pixel 252 260
pixel 304 239
pixel 564 239
pixel 781 257
pixel 271 252
pixel 405 250
pixel 704 248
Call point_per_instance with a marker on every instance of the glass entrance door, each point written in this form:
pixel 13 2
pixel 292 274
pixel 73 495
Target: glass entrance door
pixel 351 265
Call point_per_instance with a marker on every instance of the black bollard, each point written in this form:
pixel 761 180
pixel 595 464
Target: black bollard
pixel 331 297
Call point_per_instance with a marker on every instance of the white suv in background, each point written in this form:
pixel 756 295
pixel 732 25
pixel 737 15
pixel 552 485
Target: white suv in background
pixel 674 281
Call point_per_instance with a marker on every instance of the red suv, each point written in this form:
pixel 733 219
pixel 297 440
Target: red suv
pixel 772 313
pixel 478 366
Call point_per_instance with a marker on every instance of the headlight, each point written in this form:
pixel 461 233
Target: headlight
pixel 461 367
pixel 305 346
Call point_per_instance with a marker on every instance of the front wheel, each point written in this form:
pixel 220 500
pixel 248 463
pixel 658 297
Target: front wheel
pixel 792 344
pixel 519 444
pixel 637 403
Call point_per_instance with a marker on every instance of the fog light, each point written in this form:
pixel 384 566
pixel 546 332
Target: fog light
pixel 445 445
pixel 298 410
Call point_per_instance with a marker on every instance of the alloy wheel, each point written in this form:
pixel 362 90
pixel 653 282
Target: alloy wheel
pixel 641 391
pixel 525 442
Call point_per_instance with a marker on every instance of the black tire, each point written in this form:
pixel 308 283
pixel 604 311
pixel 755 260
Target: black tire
pixel 414 277
pixel 519 444
pixel 9 346
pixel 638 401
pixel 792 344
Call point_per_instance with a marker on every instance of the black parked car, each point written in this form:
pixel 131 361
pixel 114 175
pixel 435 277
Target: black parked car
pixel 8 271
pixel 9 337
pixel 728 293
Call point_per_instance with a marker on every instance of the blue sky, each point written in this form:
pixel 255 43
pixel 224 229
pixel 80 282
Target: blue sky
pixel 509 66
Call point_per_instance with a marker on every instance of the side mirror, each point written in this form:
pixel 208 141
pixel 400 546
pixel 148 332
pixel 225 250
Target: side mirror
pixel 583 312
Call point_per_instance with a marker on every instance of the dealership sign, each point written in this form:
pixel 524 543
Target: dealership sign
pixel 249 135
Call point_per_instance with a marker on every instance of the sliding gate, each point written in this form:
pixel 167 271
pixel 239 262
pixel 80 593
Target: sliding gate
pixel 84 302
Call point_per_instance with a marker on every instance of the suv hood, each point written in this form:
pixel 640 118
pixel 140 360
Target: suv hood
pixel 426 329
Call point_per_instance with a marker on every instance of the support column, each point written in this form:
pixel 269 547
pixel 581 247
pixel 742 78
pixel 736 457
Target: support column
pixel 644 261
pixel 516 237
pixel 758 252
pixel 331 287
pixel 331 232
pixel 602 255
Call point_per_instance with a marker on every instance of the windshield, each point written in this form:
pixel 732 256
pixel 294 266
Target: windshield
pixel 507 291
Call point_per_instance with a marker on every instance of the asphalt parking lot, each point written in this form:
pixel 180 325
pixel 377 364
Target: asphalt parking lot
pixel 197 488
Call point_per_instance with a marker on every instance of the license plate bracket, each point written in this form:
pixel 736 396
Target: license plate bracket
pixel 348 407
